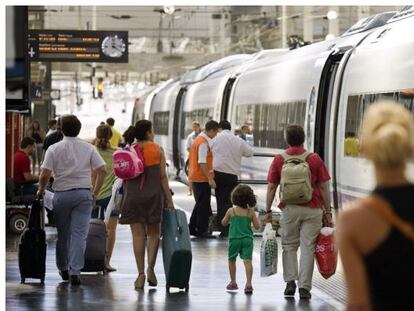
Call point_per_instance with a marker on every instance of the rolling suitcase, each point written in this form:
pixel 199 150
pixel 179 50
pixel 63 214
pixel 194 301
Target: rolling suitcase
pixel 95 246
pixel 176 249
pixel 32 246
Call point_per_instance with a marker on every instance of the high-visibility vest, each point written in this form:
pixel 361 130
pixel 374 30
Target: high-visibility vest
pixel 196 174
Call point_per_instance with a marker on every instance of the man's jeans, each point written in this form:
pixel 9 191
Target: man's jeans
pixel 300 227
pixel 72 211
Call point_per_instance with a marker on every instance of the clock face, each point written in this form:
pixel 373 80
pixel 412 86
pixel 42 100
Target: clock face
pixel 112 46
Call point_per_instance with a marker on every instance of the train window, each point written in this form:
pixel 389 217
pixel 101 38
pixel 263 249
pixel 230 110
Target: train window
pixel 188 117
pixel 358 104
pixel 161 119
pixel 270 120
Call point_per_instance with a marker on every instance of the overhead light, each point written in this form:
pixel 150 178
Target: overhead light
pixel 332 15
pixel 329 37
pixel 169 9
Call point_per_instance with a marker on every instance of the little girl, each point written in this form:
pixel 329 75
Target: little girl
pixel 240 238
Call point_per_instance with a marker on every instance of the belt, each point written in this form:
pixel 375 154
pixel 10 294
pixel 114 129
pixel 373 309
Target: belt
pixel 74 189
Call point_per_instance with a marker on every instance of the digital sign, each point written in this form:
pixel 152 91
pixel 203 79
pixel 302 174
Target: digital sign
pixel 78 46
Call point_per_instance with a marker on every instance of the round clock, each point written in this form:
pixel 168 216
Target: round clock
pixel 112 46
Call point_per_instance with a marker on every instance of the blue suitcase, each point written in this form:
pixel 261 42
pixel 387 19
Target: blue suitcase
pixel 176 249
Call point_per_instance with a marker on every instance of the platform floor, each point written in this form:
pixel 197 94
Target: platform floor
pixel 207 284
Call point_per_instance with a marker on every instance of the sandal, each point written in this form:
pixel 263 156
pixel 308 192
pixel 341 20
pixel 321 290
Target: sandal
pixel 140 281
pixel 109 269
pixel 232 286
pixel 152 279
pixel 248 290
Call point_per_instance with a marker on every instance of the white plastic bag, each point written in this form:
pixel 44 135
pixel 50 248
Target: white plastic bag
pixel 114 199
pixel 48 199
pixel 268 252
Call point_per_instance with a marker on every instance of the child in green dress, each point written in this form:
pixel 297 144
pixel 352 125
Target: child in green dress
pixel 240 237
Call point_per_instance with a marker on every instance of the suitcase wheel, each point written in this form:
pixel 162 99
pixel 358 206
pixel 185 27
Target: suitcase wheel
pixel 187 288
pixel 22 280
pixel 42 280
pixel 168 289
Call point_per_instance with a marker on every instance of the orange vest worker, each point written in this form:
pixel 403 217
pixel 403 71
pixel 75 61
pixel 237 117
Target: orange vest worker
pixel 196 174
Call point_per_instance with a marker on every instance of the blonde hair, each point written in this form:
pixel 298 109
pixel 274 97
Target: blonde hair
pixel 387 137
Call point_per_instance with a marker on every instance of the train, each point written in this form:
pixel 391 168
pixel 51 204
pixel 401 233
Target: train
pixel 326 87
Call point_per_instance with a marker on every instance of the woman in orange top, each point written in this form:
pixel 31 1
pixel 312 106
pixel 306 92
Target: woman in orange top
pixel 142 207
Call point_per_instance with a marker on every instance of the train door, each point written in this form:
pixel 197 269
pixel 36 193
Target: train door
pixel 176 129
pixel 326 112
pixel 226 99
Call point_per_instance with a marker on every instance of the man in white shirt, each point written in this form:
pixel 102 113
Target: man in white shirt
pixel 228 150
pixel 72 162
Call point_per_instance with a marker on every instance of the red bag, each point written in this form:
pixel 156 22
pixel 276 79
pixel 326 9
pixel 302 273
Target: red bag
pixel 326 253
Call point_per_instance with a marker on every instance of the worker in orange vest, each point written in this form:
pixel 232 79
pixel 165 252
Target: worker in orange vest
pixel 202 177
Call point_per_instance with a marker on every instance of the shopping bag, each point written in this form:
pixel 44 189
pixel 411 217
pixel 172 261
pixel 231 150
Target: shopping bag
pixel 268 252
pixel 326 252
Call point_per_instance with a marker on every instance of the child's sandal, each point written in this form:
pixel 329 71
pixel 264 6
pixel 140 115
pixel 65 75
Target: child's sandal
pixel 248 290
pixel 232 286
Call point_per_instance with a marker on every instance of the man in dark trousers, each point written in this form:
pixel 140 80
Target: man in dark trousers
pixel 202 178
pixel 228 150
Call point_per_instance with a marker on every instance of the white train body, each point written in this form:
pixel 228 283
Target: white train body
pixel 325 87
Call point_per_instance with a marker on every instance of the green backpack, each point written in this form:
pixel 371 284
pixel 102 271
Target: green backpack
pixel 295 179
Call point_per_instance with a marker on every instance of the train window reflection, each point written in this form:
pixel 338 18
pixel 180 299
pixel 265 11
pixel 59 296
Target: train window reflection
pixel 200 115
pixel 269 121
pixel 161 119
pixel 358 104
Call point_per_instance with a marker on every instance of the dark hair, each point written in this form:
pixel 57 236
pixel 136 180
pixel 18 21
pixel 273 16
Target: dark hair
pixel 27 141
pixel 33 127
pixel 295 136
pixel 129 135
pixel 243 196
pixel 52 122
pixel 70 125
pixel 244 126
pixel 142 127
pixel 103 135
pixel 225 125
pixel 211 125
pixel 110 121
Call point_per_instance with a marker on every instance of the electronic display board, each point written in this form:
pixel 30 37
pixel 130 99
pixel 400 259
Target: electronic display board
pixel 78 46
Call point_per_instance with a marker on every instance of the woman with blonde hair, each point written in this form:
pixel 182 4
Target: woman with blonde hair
pixel 103 135
pixel 376 251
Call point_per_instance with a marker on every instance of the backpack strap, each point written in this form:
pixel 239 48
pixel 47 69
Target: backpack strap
pixel 382 208
pixel 286 157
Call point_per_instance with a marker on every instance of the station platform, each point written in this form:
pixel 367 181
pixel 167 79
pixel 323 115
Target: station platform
pixel 208 281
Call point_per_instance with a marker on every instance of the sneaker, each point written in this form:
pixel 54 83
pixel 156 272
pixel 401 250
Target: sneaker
pixel 75 280
pixel 304 293
pixel 290 288
pixel 64 275
pixel 232 286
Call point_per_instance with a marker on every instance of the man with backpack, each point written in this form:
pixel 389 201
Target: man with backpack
pixel 304 194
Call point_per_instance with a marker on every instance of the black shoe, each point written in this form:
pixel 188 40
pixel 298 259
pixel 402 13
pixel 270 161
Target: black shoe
pixel 75 280
pixel 64 275
pixel 290 288
pixel 304 293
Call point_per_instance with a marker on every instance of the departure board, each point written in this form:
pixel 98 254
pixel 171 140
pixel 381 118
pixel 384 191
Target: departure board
pixel 78 46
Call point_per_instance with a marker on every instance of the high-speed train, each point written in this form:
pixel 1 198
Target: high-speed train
pixel 325 87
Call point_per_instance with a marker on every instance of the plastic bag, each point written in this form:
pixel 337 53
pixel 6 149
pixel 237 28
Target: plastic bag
pixel 268 252
pixel 116 199
pixel 326 252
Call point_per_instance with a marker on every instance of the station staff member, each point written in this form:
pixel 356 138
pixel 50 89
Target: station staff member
pixel 228 150
pixel 202 178
pixel 72 161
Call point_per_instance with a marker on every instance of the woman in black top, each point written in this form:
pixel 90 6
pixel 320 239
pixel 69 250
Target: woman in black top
pixel 378 259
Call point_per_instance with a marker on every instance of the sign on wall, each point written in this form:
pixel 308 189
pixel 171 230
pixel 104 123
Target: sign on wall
pixel 78 46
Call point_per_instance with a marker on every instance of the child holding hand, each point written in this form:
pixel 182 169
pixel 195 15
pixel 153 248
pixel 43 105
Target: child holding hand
pixel 241 217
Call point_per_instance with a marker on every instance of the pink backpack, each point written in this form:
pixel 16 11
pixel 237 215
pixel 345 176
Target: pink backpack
pixel 128 163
